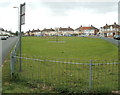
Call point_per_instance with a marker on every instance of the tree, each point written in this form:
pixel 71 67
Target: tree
pixel 16 33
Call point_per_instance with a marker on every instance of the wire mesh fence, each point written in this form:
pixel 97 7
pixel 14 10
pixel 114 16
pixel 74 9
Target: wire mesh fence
pixel 15 52
pixel 69 75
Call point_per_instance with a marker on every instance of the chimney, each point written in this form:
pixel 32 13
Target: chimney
pixel 106 25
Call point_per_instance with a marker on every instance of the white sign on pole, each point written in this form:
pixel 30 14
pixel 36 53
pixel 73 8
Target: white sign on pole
pixel 22 14
pixel 22 19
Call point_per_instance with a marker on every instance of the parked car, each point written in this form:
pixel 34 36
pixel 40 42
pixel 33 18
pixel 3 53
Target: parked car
pixel 117 37
pixel 2 37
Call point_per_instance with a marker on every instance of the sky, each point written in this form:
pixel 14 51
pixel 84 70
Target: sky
pixel 58 13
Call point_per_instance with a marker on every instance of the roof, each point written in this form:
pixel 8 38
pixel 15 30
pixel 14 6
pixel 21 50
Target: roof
pixel 113 25
pixel 48 29
pixel 37 30
pixel 1 29
pixel 87 28
pixel 66 29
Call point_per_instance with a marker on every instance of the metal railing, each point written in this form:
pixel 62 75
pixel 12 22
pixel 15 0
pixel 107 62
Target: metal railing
pixel 14 52
pixel 69 75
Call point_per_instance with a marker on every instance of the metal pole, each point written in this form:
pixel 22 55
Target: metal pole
pixel 20 36
pixel 90 82
pixel 18 20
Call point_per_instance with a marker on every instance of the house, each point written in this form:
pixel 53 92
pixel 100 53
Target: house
pixel 65 31
pixel 87 30
pixel 78 31
pixel 4 32
pixel 34 32
pixel 110 30
pixel 27 33
pixel 48 32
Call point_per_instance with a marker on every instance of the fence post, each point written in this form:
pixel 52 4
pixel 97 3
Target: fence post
pixel 12 63
pixel 90 82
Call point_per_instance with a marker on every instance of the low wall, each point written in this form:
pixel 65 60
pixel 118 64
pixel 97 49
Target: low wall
pixel 116 42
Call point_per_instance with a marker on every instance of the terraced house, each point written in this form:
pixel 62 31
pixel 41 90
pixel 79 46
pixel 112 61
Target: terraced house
pixel 110 30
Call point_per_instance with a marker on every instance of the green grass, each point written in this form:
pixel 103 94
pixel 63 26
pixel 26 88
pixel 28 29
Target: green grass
pixel 69 78
pixel 17 85
pixel 74 47
pixel 50 77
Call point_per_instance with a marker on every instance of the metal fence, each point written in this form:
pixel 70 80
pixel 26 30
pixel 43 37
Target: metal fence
pixel 15 52
pixel 68 75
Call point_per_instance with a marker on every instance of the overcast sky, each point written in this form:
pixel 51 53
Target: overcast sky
pixel 59 13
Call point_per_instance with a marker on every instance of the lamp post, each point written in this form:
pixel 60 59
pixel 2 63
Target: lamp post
pixel 21 21
pixel 18 19
pixel 19 32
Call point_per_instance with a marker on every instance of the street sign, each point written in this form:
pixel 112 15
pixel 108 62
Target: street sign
pixel 22 13
pixel 22 19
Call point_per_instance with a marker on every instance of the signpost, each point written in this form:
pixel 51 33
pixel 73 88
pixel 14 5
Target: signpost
pixel 22 22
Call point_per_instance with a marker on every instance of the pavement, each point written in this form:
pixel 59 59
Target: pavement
pixel 5 47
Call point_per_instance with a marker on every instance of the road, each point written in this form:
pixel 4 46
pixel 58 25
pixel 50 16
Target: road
pixel 5 47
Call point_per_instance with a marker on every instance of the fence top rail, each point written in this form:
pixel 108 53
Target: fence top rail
pixel 66 62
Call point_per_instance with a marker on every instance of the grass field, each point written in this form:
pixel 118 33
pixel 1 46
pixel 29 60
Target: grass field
pixel 50 77
pixel 74 47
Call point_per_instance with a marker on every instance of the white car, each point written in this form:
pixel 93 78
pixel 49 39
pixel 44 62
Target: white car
pixel 3 37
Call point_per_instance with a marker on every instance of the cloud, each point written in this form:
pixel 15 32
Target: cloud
pixel 58 13
pixel 4 4
pixel 60 8
pixel 63 14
